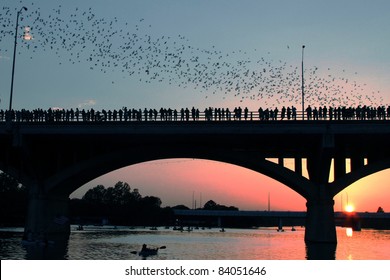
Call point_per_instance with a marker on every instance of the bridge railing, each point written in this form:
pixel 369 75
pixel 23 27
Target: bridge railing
pixel 186 115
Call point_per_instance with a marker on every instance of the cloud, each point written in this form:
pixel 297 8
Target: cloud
pixel 86 103
pixel 56 108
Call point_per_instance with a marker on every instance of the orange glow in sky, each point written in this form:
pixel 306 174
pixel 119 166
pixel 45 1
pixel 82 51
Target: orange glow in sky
pixel 179 181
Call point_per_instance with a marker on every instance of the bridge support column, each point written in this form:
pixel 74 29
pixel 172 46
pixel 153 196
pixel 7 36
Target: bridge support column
pixel 47 217
pixel 357 162
pixel 320 225
pixel 298 165
pixel 339 167
pixel 219 221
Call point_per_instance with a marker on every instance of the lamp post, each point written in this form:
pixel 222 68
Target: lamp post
pixel 13 64
pixel 303 88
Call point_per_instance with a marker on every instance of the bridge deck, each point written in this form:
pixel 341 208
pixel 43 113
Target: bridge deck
pixel 193 127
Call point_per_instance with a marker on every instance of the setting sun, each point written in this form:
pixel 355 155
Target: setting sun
pixel 349 208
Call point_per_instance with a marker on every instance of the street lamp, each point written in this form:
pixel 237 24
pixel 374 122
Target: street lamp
pixel 13 64
pixel 303 88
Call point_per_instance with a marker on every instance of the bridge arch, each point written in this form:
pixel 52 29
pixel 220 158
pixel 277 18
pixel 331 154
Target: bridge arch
pixel 68 180
pixel 348 179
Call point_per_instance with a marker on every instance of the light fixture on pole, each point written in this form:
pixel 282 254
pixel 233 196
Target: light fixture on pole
pixel 303 88
pixel 13 64
pixel 27 35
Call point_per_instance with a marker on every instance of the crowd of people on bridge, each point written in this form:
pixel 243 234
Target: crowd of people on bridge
pixel 348 113
pixel 209 114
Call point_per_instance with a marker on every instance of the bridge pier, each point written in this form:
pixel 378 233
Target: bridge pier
pixel 320 225
pixel 47 217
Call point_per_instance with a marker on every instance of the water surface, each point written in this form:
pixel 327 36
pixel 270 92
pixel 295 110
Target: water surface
pixel 122 243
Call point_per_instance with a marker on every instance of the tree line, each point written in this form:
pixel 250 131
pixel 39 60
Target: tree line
pixel 118 205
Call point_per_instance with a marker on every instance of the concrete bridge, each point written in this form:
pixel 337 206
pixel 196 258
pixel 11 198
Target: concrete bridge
pixel 55 158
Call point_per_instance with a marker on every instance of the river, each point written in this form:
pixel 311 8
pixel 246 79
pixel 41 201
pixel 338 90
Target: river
pixel 122 243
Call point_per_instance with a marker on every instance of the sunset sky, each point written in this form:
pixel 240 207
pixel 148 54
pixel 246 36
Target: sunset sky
pixel 173 53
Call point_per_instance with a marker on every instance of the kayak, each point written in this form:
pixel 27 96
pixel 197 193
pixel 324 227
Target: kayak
pixel 148 252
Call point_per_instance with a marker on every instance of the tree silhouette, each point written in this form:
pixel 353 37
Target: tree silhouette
pixel 120 205
pixel 380 210
pixel 95 194
pixel 212 205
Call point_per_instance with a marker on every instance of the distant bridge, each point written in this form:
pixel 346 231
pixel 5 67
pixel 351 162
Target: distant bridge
pixel 356 220
pixel 54 158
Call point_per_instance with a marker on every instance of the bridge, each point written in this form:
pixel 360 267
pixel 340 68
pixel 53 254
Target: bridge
pixel 54 158
pixel 224 218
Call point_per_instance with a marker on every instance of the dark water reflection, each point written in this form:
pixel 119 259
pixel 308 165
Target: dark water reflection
pixel 10 247
pixel 108 243
pixel 55 249
pixel 321 251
